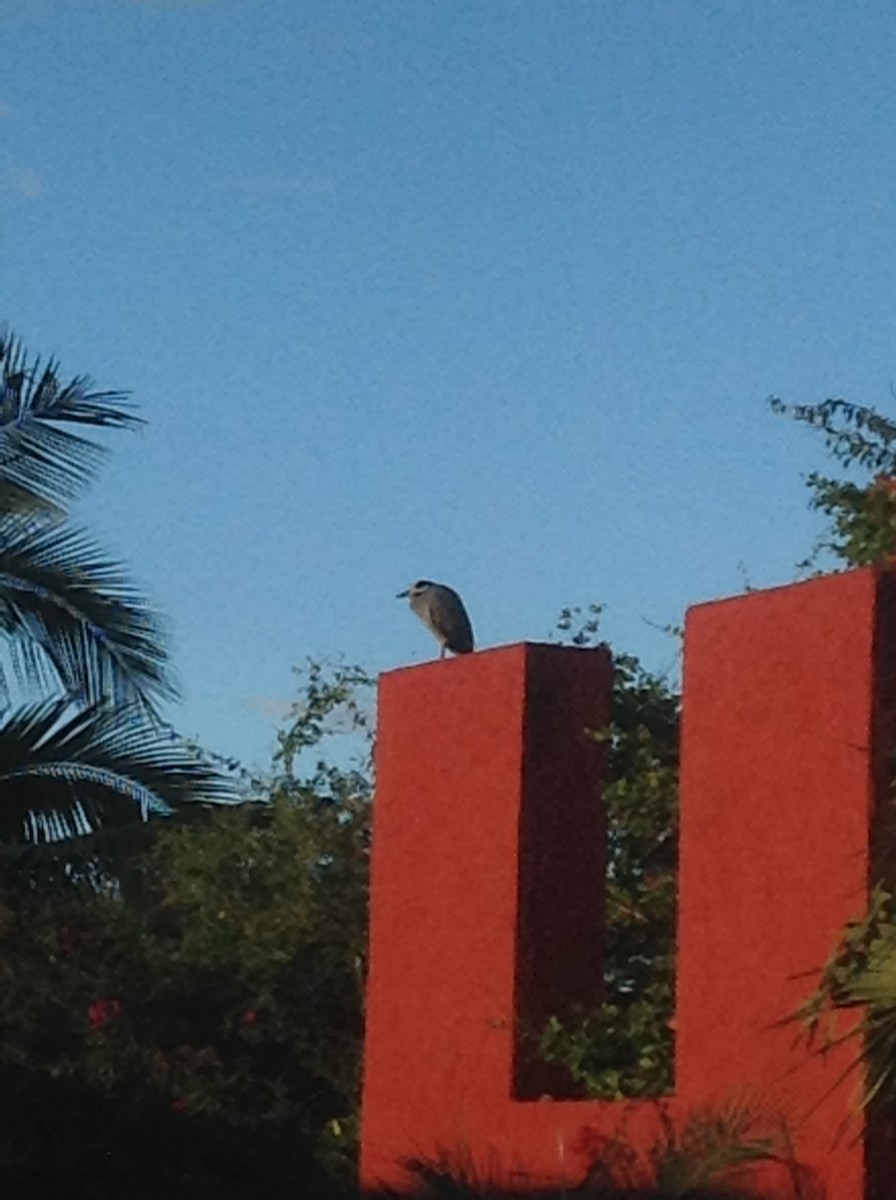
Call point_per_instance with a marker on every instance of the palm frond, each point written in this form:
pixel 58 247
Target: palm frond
pixel 717 1139
pixel 42 466
pixel 859 979
pixel 69 774
pixel 100 636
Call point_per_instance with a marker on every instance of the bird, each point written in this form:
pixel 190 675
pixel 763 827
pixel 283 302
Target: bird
pixel 442 611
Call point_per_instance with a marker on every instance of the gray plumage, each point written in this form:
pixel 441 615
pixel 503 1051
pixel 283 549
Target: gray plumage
pixel 442 611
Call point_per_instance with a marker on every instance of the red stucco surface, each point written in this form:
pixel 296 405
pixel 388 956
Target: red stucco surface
pixel 777 793
pixel 488 864
pixel 486 786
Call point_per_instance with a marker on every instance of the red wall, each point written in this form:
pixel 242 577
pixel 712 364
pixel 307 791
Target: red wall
pixel 488 874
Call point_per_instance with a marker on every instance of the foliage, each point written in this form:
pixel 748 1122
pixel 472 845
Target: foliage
pixel 333 701
pixel 854 434
pixel 68 615
pixel 705 1155
pixel 862 529
pixel 43 465
pixel 91 755
pixel 701 1153
pixel 95 766
pixel 72 619
pixel 625 1047
pixel 714 1143
pixel 68 1142
pixel 221 990
pixel 859 981
pixel 861 514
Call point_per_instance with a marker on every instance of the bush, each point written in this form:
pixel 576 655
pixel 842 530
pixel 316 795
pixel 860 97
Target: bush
pixel 197 1021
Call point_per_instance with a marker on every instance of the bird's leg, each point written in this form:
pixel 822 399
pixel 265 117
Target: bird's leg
pixel 442 650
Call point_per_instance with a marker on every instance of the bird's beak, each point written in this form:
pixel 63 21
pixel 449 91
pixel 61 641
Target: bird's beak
pixel 402 595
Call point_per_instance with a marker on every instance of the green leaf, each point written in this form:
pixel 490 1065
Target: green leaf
pixel 93 629
pixel 69 774
pixel 44 466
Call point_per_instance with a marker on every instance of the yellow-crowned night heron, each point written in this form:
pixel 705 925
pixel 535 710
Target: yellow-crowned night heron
pixel 442 611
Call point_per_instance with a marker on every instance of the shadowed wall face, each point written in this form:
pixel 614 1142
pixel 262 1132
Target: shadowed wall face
pixel 561 877
pixel 488 877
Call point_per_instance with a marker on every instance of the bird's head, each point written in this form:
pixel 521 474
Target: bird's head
pixel 416 589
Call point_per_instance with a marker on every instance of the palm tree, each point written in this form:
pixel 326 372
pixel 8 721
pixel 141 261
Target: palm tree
pixel 92 754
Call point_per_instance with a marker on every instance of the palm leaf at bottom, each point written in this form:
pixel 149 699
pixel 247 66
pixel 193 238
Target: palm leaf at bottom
pixel 67 774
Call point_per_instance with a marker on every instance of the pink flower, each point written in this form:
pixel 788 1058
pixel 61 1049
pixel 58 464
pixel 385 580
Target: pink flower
pixel 249 1017
pixel 100 1012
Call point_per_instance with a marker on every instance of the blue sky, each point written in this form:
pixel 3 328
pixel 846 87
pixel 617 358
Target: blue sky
pixel 489 291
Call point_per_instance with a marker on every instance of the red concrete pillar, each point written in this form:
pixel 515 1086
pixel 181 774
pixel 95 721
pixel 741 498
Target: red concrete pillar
pixel 788 729
pixel 486 896
pixel 488 884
